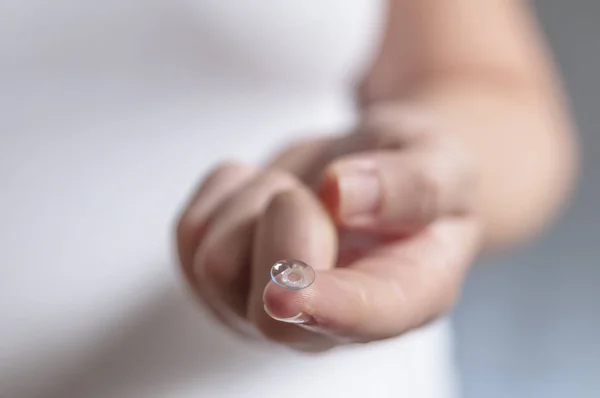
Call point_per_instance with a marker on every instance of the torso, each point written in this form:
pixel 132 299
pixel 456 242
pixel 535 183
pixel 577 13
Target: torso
pixel 111 112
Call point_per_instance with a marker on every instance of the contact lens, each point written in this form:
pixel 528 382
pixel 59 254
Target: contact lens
pixel 292 274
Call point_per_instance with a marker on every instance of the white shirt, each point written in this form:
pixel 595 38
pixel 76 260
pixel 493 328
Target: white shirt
pixel 110 112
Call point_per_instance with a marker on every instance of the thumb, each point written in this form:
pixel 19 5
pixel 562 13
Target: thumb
pixel 396 191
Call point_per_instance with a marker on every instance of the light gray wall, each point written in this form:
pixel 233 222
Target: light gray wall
pixel 529 325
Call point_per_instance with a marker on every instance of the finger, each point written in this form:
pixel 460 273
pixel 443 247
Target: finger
pixel 223 259
pixel 295 226
pixel 397 191
pixel 395 290
pixel 223 182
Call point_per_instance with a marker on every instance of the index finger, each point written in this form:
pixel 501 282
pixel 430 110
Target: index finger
pixel 397 288
pixel 294 226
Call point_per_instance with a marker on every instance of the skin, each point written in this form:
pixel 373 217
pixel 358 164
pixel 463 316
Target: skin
pixel 464 145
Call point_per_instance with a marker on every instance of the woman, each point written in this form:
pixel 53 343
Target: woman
pixel 461 144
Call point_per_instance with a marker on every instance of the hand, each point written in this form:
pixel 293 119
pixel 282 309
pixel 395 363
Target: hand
pixel 386 216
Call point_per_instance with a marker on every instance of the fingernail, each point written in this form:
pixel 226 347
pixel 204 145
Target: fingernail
pixel 298 319
pixel 359 193
pixel 331 335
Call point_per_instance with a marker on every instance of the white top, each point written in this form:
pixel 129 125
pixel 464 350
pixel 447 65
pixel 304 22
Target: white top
pixel 110 112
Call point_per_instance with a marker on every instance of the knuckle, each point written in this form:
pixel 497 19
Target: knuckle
pixel 226 168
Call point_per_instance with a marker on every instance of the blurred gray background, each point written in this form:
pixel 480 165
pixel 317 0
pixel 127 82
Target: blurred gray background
pixel 528 325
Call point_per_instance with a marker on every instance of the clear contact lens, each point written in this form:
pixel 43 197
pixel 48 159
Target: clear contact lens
pixel 292 274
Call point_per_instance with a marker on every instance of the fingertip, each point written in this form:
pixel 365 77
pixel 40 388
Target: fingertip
pixel 351 190
pixel 284 304
pixel 328 307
